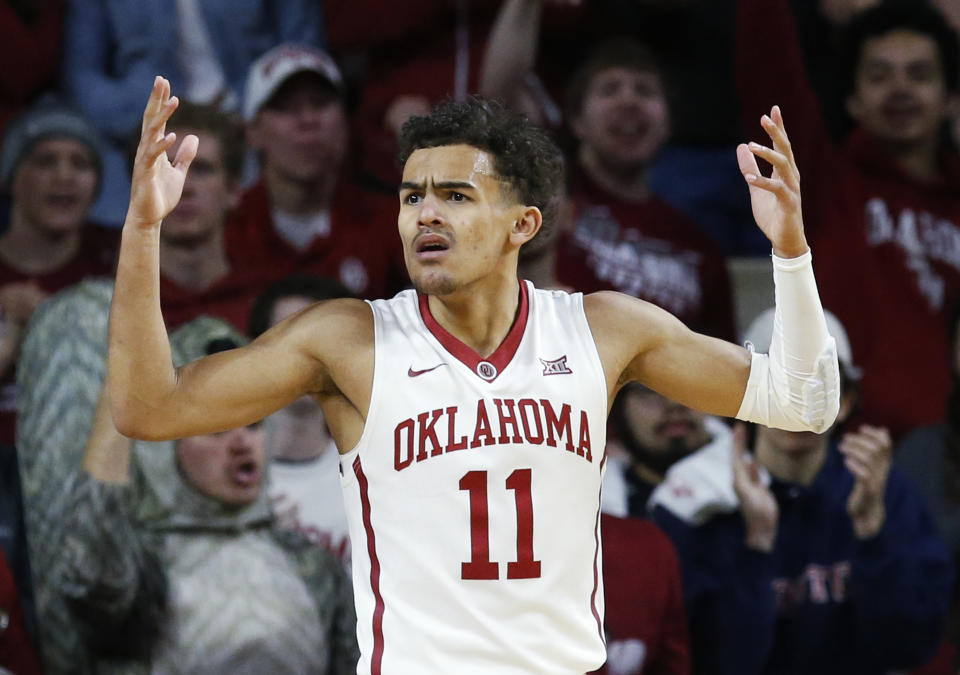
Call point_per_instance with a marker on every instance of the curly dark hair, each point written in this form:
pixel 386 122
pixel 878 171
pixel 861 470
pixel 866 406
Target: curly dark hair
pixel 524 154
pixel 918 17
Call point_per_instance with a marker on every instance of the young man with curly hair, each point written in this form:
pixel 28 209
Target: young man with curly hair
pixel 469 412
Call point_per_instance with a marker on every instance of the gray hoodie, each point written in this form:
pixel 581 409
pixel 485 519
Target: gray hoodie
pixel 155 576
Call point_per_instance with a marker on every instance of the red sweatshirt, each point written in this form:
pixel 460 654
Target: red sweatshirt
pixel 361 250
pixel 16 652
pixel 30 56
pixel 886 248
pixel 648 250
pixel 645 622
pixel 229 298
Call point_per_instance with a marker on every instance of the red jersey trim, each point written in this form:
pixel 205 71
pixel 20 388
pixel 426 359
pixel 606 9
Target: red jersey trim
pixel 596 566
pixel 487 369
pixel 377 660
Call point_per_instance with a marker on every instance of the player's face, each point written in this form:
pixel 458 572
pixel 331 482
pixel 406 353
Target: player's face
pixel 624 120
pixel 900 94
pixel 227 466
pixel 208 193
pixel 54 185
pixel 455 218
pixel 301 133
pixel 661 426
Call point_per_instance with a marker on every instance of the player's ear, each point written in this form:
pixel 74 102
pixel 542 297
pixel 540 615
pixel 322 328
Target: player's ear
pixel 526 225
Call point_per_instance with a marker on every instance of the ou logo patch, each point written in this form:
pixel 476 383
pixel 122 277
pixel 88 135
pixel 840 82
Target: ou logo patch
pixel 486 370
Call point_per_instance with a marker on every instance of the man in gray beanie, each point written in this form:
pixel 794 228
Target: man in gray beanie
pixel 43 121
pixel 50 170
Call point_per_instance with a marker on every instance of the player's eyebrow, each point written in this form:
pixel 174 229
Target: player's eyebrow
pixel 443 185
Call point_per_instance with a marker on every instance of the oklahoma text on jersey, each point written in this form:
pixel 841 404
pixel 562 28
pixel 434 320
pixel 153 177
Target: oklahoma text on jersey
pixel 538 420
pixel 473 495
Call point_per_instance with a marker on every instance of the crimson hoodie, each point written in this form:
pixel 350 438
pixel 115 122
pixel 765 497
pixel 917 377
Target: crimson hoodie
pixel 648 250
pixel 886 247
pixel 362 249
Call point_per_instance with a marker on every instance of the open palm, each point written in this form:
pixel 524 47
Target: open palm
pixel 157 182
pixel 775 200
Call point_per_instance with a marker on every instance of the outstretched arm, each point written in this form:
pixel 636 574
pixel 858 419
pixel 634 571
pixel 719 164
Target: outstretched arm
pixel 796 387
pixel 140 362
pixel 152 400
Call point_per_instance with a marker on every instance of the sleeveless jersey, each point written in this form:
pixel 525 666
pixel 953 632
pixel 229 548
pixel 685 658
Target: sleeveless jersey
pixel 473 495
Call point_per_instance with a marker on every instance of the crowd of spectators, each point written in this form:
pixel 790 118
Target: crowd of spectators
pixel 726 549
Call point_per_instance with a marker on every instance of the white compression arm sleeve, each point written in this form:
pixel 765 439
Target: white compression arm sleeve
pixel 797 386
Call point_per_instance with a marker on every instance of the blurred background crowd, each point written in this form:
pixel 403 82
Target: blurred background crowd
pixel 727 548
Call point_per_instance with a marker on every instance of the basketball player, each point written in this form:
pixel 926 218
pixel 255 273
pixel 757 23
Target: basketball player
pixel 469 412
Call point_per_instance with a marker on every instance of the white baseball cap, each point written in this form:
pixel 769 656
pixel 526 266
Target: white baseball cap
pixel 760 332
pixel 277 65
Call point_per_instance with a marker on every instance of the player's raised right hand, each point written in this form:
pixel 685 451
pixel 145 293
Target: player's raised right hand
pixel 157 182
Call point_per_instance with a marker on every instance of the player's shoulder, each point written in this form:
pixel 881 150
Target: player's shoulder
pixel 337 321
pixel 346 308
pixel 340 315
pixel 611 311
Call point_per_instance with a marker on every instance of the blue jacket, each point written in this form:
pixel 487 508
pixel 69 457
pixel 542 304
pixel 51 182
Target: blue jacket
pixel 112 49
pixel 821 602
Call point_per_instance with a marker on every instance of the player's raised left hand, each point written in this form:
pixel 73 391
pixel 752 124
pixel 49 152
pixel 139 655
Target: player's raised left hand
pixel 775 200
pixel 157 183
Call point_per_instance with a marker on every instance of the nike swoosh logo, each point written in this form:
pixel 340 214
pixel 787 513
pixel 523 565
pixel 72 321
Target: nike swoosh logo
pixel 416 373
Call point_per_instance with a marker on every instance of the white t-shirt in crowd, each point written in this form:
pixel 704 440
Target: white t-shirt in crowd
pixel 314 487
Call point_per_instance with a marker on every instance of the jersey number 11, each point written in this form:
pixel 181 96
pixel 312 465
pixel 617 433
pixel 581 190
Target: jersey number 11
pixel 480 565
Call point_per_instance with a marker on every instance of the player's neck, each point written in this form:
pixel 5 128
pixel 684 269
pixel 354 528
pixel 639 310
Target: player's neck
pixel 194 264
pixel 625 184
pixel 35 250
pixel 481 314
pixel 299 197
pixel 799 467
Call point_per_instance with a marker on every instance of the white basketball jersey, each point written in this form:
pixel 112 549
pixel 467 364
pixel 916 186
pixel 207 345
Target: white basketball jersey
pixel 473 496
